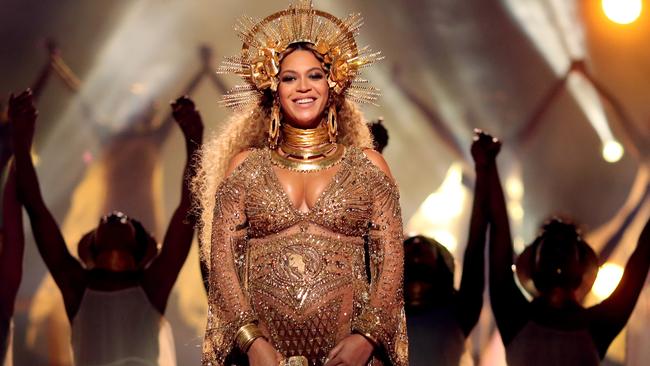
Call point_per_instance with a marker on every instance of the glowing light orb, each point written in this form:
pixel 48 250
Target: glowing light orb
pixel 622 11
pixel 612 151
pixel 515 188
pixel 609 275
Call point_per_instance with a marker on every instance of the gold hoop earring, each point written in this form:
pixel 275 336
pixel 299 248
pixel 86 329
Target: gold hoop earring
pixel 332 125
pixel 274 126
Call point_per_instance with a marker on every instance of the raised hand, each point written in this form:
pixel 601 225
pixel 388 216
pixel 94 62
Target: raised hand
pixel 485 148
pixel 353 350
pixel 22 114
pixel 160 276
pixel 188 118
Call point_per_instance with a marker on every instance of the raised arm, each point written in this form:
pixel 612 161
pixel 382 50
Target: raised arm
pixel 610 316
pixel 509 305
pixel 65 269
pixel 11 248
pixel 39 83
pixel 382 319
pixel 159 278
pixel 469 300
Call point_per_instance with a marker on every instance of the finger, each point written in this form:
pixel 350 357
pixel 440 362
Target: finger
pixel 335 351
pixel 278 357
pixel 336 361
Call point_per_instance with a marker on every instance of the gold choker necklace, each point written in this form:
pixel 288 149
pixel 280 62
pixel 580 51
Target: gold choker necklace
pixel 306 150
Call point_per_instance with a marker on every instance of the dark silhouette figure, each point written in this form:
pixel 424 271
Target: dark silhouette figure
pixel 11 258
pixel 121 286
pixel 439 317
pixel 555 329
pixel 11 223
pixel 379 134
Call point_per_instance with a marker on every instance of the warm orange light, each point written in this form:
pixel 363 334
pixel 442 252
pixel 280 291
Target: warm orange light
pixel 609 275
pixel 622 11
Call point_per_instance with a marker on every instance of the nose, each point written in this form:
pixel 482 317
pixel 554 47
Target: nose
pixel 303 85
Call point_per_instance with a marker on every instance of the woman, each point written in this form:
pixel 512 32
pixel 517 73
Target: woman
pixel 555 329
pixel 116 296
pixel 439 317
pixel 291 281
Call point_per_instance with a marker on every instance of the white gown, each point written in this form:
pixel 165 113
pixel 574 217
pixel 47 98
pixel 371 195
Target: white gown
pixel 121 328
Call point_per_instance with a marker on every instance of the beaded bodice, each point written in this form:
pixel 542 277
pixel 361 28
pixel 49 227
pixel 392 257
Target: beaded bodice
pixel 341 208
pixel 308 278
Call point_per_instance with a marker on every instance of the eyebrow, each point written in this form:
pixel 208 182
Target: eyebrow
pixel 308 71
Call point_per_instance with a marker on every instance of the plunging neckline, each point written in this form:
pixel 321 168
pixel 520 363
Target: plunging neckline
pixel 319 198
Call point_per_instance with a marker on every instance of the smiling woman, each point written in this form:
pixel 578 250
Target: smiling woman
pixel 303 89
pixel 296 217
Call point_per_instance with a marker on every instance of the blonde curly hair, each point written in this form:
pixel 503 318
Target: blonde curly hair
pixel 248 129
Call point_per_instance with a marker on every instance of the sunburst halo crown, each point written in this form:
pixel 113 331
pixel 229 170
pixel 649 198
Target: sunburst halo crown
pixel 266 41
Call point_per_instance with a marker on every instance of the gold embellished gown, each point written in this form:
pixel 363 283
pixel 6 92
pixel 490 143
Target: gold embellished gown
pixel 308 279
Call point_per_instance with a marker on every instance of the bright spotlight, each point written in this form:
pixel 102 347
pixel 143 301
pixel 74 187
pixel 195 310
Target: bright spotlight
pixel 516 211
pixel 609 275
pixel 514 188
pixel 444 237
pixel 622 11
pixel 612 151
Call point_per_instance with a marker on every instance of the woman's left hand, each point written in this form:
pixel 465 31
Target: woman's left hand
pixel 353 350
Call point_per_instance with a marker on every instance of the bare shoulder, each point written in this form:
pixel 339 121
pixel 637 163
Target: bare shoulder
pixel 378 160
pixel 237 160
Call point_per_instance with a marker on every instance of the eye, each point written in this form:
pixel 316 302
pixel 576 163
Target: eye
pixel 316 75
pixel 287 78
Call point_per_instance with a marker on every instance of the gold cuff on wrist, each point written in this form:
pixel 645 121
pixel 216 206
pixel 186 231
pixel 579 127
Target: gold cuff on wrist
pixel 246 335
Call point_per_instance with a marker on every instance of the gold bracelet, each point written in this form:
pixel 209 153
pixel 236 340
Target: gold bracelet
pixel 246 335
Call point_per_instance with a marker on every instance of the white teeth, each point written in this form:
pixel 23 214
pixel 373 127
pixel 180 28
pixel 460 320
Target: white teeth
pixel 305 100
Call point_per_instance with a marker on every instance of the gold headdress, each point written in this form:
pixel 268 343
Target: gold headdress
pixel 266 41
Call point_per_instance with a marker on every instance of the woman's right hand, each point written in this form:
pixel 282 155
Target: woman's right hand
pixel 22 114
pixel 485 148
pixel 188 118
pixel 262 353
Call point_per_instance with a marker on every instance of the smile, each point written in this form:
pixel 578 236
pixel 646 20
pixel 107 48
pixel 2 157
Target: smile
pixel 303 101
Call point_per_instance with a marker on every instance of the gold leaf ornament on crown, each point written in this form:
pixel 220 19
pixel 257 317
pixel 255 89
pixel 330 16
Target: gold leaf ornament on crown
pixel 266 40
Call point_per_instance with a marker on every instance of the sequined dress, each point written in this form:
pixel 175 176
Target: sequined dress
pixel 308 278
